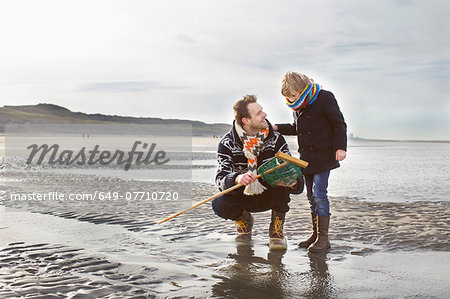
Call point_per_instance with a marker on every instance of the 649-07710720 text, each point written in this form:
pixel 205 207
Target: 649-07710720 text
pixel 104 196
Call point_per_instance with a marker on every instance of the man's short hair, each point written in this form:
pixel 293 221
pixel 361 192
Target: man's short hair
pixel 241 110
pixel 293 82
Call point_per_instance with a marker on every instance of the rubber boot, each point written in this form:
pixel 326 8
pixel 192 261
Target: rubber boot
pixel 322 243
pixel 312 238
pixel 244 225
pixel 277 240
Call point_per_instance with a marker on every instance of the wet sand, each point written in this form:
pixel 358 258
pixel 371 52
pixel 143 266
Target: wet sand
pixel 116 249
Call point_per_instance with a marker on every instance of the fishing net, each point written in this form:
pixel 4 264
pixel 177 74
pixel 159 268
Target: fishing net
pixel 287 174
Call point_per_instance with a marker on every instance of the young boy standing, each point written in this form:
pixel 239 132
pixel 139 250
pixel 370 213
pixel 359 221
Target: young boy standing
pixel 322 140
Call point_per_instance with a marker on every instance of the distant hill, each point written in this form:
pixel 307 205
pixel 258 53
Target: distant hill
pixel 53 114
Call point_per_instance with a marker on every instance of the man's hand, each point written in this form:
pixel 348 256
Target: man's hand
pixel 275 127
pixel 245 179
pixel 340 154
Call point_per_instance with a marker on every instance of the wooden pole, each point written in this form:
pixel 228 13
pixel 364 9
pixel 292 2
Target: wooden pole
pixel 220 194
pixel 291 159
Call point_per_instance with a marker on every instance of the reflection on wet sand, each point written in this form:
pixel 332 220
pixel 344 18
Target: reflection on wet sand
pixel 321 280
pixel 246 275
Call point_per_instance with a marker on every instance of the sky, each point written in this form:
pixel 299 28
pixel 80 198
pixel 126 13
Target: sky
pixel 386 62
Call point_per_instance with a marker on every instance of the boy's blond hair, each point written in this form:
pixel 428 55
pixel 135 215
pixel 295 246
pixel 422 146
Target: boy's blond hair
pixel 293 82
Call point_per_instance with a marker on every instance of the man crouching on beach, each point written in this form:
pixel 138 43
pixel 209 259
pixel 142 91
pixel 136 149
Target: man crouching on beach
pixel 250 143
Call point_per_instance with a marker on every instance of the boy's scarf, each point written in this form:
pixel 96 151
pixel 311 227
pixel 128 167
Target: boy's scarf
pixel 307 96
pixel 252 147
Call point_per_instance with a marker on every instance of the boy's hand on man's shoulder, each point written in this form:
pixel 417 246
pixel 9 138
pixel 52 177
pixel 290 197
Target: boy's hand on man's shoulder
pixel 341 154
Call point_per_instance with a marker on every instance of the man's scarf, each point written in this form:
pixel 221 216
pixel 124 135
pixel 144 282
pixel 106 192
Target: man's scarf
pixel 306 97
pixel 252 147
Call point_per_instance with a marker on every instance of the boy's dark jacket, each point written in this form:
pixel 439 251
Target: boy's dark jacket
pixel 320 130
pixel 232 161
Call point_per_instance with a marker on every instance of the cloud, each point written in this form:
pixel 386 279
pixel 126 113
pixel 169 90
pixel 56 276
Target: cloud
pixel 358 46
pixel 386 60
pixel 127 86
pixel 185 38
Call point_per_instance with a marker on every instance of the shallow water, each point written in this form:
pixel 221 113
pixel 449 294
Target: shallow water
pixel 380 171
pixel 377 171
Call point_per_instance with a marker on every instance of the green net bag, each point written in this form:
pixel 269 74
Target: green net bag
pixel 287 174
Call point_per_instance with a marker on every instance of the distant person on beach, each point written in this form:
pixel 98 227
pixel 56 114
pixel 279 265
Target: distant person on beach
pixel 250 143
pixel 322 142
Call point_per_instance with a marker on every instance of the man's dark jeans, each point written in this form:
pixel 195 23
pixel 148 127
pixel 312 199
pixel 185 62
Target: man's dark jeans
pixel 231 205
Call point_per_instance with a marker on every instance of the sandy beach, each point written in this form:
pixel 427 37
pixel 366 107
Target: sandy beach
pixel 116 115
pixel 115 249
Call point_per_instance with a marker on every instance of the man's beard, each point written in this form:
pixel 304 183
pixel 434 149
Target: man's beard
pixel 260 126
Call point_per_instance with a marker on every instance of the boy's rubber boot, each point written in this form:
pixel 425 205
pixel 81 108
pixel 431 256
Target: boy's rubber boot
pixel 277 240
pixel 313 237
pixel 322 243
pixel 244 225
